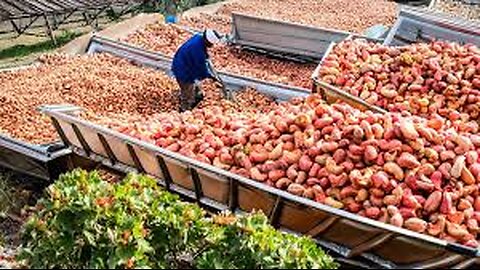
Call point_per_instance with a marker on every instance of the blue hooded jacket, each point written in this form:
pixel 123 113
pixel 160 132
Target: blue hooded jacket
pixel 190 61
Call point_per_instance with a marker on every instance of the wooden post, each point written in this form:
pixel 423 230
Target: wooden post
pixel 15 27
pixel 49 29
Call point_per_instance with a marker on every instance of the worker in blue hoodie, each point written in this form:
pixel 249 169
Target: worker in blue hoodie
pixel 192 64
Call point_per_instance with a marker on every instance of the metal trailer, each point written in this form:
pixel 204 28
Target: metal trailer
pixel 353 239
pixel 40 161
pixel 424 25
pixel 467 3
pixel 301 41
pixel 332 94
pixel 47 161
pixel 415 3
pixel 470 2
pixel 414 25
pixel 162 62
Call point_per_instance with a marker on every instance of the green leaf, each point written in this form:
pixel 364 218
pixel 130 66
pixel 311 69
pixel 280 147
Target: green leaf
pixel 89 223
pixel 144 246
pixel 89 237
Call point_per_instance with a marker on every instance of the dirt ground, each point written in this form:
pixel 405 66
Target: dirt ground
pixel 208 9
pixel 112 31
pixel 37 35
pixel 107 28
pixel 17 193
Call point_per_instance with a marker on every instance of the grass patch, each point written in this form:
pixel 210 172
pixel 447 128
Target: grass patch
pixel 24 50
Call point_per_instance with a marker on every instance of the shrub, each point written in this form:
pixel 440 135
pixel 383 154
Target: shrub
pixel 85 222
pixel 250 242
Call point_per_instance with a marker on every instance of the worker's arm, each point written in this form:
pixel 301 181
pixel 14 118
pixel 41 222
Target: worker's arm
pixel 218 80
pixel 212 71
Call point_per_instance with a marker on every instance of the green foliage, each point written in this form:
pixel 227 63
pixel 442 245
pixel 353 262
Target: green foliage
pixel 249 242
pixel 85 222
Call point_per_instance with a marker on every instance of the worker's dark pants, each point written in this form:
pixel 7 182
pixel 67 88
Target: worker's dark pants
pixel 189 95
